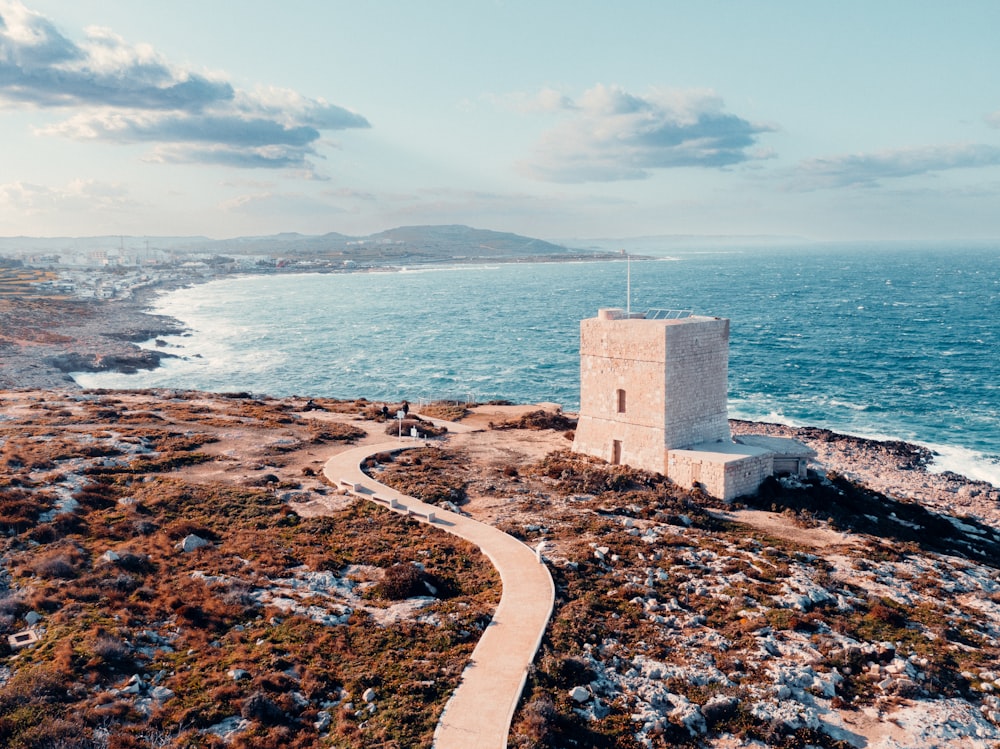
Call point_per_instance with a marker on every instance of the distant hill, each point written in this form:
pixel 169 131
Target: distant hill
pixel 405 242
pixel 466 241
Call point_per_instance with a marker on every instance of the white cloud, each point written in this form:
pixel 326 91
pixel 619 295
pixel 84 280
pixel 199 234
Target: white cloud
pixel 869 169
pixel 126 93
pixel 544 100
pixel 611 134
pixel 78 195
pixel 279 204
pixel 348 193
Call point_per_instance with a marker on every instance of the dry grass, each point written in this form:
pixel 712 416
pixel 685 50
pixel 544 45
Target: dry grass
pixel 431 474
pixel 446 410
pixel 145 470
pixel 183 620
pixel 540 419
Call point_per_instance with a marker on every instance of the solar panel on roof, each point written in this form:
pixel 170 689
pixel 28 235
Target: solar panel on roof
pixel 667 314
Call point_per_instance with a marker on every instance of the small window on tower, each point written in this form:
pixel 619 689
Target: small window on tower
pixel 621 401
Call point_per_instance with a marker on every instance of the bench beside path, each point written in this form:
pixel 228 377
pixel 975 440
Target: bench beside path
pixel 480 711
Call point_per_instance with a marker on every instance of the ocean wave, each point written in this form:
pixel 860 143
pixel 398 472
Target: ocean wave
pixel 965 462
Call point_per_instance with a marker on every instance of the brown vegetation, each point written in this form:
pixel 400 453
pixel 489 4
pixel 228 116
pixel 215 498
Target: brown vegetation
pixel 431 474
pixel 644 572
pixel 540 419
pixel 118 599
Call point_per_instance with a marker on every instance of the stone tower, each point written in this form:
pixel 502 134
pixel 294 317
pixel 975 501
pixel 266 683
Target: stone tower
pixel 651 385
pixel 653 395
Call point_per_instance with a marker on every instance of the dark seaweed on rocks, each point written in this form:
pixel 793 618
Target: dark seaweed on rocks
pixel 851 507
pixel 127 363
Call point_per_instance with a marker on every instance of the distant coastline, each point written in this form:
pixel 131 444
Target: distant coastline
pixel 45 338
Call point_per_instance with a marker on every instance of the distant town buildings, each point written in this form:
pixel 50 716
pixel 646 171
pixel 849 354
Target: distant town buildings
pixel 109 273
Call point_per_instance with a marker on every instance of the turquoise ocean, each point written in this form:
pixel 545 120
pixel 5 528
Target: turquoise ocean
pixel 884 341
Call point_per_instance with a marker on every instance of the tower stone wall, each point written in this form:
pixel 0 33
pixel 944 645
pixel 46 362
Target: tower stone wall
pixel 648 385
pixel 696 382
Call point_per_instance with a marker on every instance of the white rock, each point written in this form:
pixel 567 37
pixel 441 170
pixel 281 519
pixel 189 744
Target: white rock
pixel 368 695
pixel 161 693
pixel 323 722
pixel 579 694
pixel 32 618
pixel 238 674
pixel 109 556
pixel 687 714
pixel 229 727
pixel 192 543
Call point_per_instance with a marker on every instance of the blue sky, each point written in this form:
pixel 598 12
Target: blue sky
pixel 838 121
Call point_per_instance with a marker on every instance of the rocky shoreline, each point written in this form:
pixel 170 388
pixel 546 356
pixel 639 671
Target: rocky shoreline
pixel 43 340
pixel 900 470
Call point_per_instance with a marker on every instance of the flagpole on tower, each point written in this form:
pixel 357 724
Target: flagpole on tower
pixel 628 285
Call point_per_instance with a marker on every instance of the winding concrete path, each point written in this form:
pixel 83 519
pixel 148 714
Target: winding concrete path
pixel 480 711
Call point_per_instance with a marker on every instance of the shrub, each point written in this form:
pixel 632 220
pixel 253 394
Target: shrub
pixel 96 496
pixel 111 652
pixel 56 567
pixel 447 410
pixel 18 510
pixel 259 707
pixel 401 581
pixel 540 419
pixel 424 428
pixel 537 723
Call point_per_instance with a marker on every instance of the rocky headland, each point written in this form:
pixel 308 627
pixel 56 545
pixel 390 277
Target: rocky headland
pixel 43 339
pixel 178 571
pixel 175 572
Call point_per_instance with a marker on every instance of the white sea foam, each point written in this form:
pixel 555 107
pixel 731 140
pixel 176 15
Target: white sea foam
pixel 973 464
pixel 965 462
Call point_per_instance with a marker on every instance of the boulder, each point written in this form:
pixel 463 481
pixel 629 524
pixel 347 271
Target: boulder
pixel 192 542
pixel 161 694
pixel 579 694
pixel 323 720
